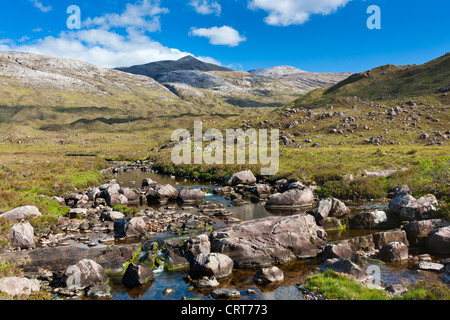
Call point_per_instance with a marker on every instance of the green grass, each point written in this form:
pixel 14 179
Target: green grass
pixel 334 286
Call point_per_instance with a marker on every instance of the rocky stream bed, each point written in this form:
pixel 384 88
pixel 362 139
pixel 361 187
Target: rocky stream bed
pixel 149 236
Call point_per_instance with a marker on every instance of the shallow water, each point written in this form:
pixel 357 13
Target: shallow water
pixel 295 272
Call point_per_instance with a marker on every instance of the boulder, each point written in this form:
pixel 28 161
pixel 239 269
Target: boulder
pixel 291 199
pixel 268 275
pixel 22 235
pixel 197 245
pixel 129 194
pixel 418 231
pixel 225 293
pixel 393 252
pixel 338 209
pixel 323 210
pixel 345 266
pixel 439 241
pixel 116 199
pixel 266 241
pixel 93 193
pixel 188 195
pixel 14 286
pixel 243 177
pixel 207 283
pixel 147 182
pixel 430 266
pixel 211 264
pixel 340 251
pixel 84 274
pixel 400 201
pixel 377 240
pixel 420 208
pixel 161 194
pixel 21 213
pixel 369 220
pixel 135 227
pixel 137 275
pixel 113 216
pixel 102 291
pixel 76 212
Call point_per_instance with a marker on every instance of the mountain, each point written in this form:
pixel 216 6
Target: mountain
pixel 276 71
pixel 302 80
pixel 428 81
pixel 156 68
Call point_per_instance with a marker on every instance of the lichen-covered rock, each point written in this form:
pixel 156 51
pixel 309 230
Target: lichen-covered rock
pixel 268 275
pixel 393 252
pixel 271 240
pixel 84 274
pixel 15 286
pixel 136 275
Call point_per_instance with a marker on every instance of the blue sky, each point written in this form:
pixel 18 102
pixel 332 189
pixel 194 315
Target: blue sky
pixel 319 36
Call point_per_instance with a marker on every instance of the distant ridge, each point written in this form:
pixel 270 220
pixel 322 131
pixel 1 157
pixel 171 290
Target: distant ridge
pixel 188 63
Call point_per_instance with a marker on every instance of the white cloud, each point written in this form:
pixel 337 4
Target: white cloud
pixel 219 36
pixel 294 12
pixel 40 6
pixel 111 40
pixel 206 6
pixel 143 15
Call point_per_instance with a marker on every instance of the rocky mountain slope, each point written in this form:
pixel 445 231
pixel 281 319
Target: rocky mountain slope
pixel 199 82
pixel 154 69
pixel 302 80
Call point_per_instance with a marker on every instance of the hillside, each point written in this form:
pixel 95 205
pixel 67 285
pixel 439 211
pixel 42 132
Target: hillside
pixel 387 82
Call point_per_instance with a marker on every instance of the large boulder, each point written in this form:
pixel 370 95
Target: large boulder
pixel 400 201
pixel 161 194
pixel 340 251
pixel 418 231
pixel 291 199
pixel 211 264
pixel 22 235
pixel 188 195
pixel 14 286
pixel 135 227
pixel 129 194
pixel 393 252
pixel 21 213
pixel 420 208
pixel 243 177
pixel 338 209
pixel 84 274
pixel 271 240
pixel 439 241
pixel 137 275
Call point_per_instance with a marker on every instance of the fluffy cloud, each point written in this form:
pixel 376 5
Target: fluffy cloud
pixel 206 6
pixel 40 6
pixel 219 36
pixel 289 12
pixel 111 40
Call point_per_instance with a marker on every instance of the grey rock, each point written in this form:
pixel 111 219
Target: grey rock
pixel 21 213
pixel 275 239
pixel 211 264
pixel 22 235
pixel 393 252
pixel 268 275
pixel 137 275
pixel 84 274
pixel 15 286
pixel 430 266
pixel 439 241
pixel 344 266
pixel 291 199
pixel 225 293
pixel 242 177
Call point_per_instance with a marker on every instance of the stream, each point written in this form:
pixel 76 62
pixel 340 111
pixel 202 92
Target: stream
pixel 294 272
